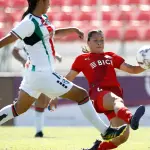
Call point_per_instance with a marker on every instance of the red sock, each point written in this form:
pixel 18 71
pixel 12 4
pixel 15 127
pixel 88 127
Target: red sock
pixel 39 109
pixel 124 114
pixel 106 146
pixel 14 110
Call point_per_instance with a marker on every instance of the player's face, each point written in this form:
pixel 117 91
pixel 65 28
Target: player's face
pixel 96 43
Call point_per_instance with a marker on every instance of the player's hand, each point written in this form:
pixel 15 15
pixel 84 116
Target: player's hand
pixel 80 34
pixel 53 104
pixel 85 49
pixel 23 62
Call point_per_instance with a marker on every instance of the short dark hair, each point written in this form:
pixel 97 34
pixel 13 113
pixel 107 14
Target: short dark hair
pixel 90 34
pixel 31 6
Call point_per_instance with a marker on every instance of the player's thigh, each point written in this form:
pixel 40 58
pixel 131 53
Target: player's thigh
pixel 24 102
pixel 58 86
pixel 108 100
pixel 76 93
pixel 103 100
pixel 116 122
pixel 42 101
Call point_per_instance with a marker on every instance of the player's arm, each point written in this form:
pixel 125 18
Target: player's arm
pixel 76 68
pixel 71 75
pixel 8 39
pixel 120 64
pixel 16 54
pixel 130 68
pixel 18 32
pixel 69 30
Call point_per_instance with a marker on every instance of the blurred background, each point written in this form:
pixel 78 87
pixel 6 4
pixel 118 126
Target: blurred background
pixel 126 26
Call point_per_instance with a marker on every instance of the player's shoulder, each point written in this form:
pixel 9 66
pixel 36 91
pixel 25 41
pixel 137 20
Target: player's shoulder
pixel 27 21
pixel 27 18
pixel 83 55
pixel 111 54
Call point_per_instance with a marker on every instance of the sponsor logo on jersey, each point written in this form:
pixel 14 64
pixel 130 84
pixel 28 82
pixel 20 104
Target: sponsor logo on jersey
pixel 87 58
pixel 101 63
pixel 107 56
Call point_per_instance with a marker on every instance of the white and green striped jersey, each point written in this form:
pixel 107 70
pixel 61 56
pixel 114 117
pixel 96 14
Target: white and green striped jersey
pixel 37 34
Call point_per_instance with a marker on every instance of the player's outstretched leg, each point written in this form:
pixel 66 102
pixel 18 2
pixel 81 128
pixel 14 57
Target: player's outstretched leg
pixel 81 97
pixel 114 143
pixel 113 102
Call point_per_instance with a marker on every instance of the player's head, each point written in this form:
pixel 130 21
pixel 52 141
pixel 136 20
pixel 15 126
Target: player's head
pixel 95 41
pixel 41 6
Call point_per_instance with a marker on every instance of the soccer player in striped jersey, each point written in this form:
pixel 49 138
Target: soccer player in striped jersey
pixel 40 77
pixel 107 96
pixel 19 53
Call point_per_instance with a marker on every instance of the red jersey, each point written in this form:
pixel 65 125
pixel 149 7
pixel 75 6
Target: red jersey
pixel 99 69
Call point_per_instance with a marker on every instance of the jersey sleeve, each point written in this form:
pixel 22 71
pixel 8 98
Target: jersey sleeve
pixel 117 61
pixel 77 64
pixel 24 29
pixel 19 44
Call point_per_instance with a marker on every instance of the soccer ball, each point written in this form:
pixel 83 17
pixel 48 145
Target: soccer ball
pixel 143 57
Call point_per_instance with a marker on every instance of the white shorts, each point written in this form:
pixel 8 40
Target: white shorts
pixel 49 83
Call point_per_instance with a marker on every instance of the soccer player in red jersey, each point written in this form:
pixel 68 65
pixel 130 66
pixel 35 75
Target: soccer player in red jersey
pixel 99 69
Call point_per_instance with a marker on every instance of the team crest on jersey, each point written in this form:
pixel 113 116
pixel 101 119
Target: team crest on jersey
pixel 107 56
pixel 87 58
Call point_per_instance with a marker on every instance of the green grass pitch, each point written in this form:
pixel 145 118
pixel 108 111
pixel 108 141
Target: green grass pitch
pixel 64 138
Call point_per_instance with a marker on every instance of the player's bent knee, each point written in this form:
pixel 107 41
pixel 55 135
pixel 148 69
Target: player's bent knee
pixel 123 139
pixel 118 99
pixel 21 109
pixel 76 94
pixel 82 95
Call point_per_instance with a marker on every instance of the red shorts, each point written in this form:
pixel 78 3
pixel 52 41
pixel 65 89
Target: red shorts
pixel 97 99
